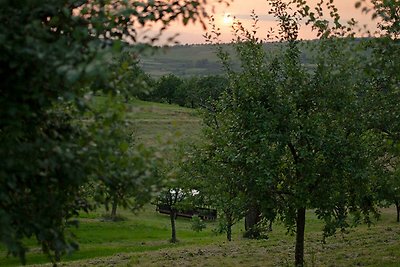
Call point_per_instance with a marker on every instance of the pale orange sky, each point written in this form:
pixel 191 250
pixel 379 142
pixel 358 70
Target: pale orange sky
pixel 192 33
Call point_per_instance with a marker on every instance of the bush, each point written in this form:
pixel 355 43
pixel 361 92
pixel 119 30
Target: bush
pixel 198 224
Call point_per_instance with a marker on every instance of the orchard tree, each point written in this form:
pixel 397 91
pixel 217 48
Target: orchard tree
pixel 126 174
pixel 382 95
pixel 207 89
pixel 176 193
pixel 52 53
pixel 296 136
pixel 128 77
pixel 218 181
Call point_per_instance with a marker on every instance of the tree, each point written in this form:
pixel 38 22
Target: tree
pixel 218 182
pixel 127 75
pixel 298 135
pixel 127 171
pixel 171 198
pixel 382 94
pixel 166 87
pixel 176 193
pixel 52 53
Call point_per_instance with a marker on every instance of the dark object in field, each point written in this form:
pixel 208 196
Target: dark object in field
pixel 204 213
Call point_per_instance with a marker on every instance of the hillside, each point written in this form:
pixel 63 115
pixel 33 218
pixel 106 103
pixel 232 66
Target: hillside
pixel 158 122
pixel 190 60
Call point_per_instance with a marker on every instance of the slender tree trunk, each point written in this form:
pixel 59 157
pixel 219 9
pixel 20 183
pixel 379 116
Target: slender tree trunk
pixel 172 216
pixel 270 226
pixel 229 227
pixel 229 232
pixel 300 226
pixel 398 210
pixel 114 208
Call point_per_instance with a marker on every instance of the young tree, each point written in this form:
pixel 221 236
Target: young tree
pixel 176 193
pixel 215 177
pixel 172 198
pixel 127 172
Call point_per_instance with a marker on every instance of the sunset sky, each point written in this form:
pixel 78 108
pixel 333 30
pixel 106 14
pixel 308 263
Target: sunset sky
pixel 241 9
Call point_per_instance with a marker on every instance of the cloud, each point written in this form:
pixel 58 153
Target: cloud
pixel 260 17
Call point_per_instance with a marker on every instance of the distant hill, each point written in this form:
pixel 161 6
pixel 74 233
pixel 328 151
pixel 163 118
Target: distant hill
pixel 191 60
pixel 183 60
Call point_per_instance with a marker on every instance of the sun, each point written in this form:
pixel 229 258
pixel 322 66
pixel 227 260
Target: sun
pixel 227 19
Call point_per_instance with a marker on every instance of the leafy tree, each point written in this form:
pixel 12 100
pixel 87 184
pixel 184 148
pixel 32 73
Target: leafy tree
pixel 52 52
pixel 218 183
pixel 127 172
pixel 382 94
pixel 295 136
pixel 166 87
pixel 176 194
pixel 128 77
pixel 172 198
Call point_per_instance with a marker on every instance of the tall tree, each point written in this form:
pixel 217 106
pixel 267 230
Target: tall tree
pixel 298 134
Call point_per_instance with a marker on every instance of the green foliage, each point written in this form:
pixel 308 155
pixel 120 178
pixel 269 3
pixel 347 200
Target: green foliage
pixel 126 173
pixel 166 87
pixel 198 224
pixel 52 52
pixel 294 138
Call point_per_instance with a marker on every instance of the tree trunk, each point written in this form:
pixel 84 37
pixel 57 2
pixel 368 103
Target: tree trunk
pixel 300 226
pixel 251 221
pixel 229 232
pixel 398 210
pixel 270 226
pixel 114 208
pixel 172 216
pixel 229 223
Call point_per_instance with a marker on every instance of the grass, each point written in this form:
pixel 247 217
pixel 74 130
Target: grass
pixel 157 122
pixel 142 240
pixel 145 231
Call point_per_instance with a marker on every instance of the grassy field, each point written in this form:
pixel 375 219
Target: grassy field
pixel 142 239
pixel 157 123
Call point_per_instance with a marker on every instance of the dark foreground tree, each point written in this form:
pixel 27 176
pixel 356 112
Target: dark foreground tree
pixel 52 53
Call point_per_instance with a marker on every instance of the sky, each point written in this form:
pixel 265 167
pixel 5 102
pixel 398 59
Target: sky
pixel 241 9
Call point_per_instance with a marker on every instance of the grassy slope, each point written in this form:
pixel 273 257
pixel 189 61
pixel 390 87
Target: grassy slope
pixel 142 239
pixel 156 123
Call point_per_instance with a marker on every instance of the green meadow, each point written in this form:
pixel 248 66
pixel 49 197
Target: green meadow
pixel 142 240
